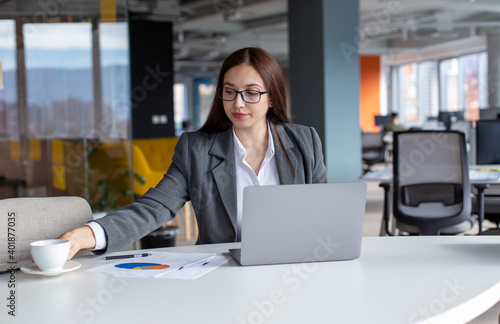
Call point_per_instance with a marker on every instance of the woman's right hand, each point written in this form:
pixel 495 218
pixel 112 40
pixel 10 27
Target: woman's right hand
pixel 79 238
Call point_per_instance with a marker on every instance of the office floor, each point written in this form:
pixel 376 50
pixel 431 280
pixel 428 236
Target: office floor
pixel 373 217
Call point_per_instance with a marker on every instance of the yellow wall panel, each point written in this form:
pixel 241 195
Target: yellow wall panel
pixel 58 177
pixel 108 10
pixel 58 151
pixel 35 149
pixel 15 150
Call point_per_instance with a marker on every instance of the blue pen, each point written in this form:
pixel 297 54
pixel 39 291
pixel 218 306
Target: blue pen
pixel 204 264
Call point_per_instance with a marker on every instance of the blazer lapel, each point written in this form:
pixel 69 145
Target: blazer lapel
pixel 224 171
pixel 285 171
pixel 224 168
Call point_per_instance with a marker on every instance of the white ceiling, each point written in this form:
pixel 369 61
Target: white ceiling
pixel 207 30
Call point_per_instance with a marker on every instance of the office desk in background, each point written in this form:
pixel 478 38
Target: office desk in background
pixel 396 280
pixel 489 174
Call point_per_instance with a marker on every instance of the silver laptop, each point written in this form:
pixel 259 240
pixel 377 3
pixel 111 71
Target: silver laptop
pixel 301 223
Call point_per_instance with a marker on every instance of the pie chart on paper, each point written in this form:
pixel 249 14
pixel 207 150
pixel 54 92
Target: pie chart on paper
pixel 142 266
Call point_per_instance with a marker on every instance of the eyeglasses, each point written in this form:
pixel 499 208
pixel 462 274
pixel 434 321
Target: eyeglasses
pixel 248 96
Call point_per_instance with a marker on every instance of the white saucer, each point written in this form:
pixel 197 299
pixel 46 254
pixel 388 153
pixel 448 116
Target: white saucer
pixel 68 266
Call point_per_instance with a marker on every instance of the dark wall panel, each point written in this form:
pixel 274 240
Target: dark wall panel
pixel 151 78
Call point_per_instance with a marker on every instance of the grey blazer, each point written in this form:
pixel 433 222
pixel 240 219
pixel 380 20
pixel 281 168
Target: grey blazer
pixel 203 171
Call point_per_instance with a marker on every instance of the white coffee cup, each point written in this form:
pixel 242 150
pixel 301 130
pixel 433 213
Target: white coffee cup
pixel 50 255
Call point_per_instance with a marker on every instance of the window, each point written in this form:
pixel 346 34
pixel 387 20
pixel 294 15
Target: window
pixel 8 84
pixel 62 99
pixel 418 91
pixel 428 97
pixel 483 80
pixel 469 80
pixel 204 94
pixel 59 79
pixel 415 92
pixel 408 93
pixel 464 84
pixel 386 104
pixel 449 81
pixel 114 55
pixel 181 112
pixel 78 105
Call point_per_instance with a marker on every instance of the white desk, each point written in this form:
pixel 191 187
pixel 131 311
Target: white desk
pixel 396 280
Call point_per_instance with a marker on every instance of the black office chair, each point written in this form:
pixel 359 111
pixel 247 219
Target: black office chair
pixel 430 188
pixel 373 150
pixel 488 152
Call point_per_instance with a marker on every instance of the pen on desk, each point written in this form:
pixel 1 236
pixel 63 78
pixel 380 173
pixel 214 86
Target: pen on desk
pixel 127 256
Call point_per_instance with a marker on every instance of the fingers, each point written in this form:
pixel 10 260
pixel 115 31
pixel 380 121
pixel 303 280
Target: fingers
pixel 79 238
pixel 73 243
pixel 72 251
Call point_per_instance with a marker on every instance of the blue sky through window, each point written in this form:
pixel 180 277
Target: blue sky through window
pixel 63 45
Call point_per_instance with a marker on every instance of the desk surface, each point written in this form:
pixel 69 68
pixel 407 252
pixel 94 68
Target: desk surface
pixel 489 174
pixel 396 280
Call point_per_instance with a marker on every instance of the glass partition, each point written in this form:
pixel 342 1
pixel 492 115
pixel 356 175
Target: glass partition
pixel 58 59
pixel 114 54
pixel 8 85
pixel 65 104
pixel 10 159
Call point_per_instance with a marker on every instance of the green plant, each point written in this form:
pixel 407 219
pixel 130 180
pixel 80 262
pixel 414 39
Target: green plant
pixel 110 179
pixel 107 194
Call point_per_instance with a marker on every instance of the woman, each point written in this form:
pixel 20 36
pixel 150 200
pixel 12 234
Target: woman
pixel 246 140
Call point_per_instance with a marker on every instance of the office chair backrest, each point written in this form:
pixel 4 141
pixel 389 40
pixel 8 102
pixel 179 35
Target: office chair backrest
pixel 25 220
pixel 431 179
pixel 370 141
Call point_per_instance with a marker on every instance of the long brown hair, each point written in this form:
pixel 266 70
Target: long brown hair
pixel 270 72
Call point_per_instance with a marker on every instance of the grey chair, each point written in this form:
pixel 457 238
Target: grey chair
pixel 431 188
pixel 373 149
pixel 25 220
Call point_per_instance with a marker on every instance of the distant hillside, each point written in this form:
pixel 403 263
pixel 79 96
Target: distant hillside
pixel 46 86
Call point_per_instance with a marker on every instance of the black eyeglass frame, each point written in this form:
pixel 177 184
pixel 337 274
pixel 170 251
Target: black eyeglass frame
pixel 241 94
